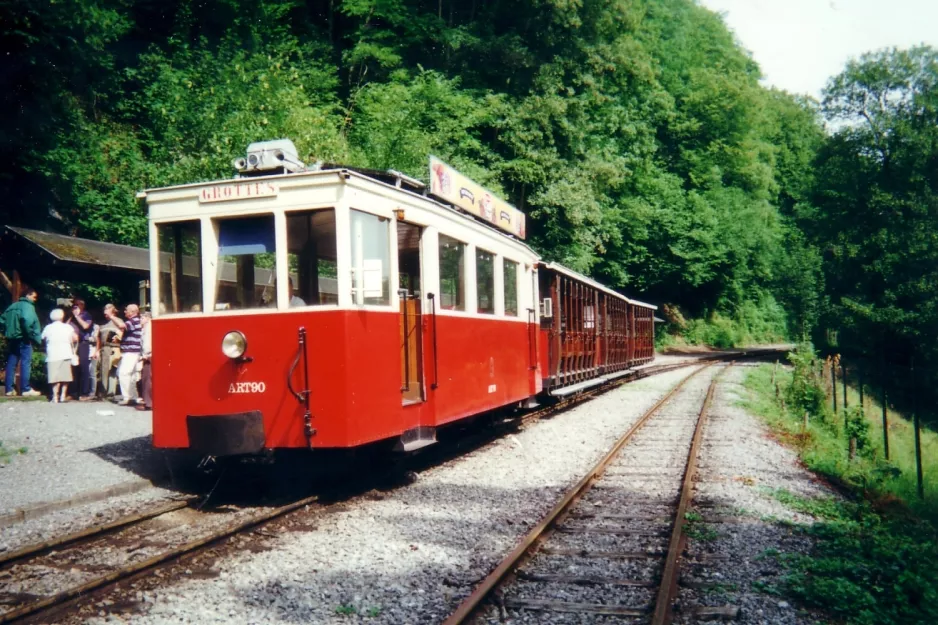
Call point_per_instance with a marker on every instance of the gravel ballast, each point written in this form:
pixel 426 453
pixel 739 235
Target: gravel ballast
pixel 72 450
pixel 740 465
pixel 412 555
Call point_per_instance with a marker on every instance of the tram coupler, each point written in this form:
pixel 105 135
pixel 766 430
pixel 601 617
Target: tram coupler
pixel 208 465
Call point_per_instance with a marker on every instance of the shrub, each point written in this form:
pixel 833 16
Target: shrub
pixel 858 427
pixel 806 392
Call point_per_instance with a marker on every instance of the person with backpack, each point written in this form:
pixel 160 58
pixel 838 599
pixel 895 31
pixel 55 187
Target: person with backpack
pixel 20 325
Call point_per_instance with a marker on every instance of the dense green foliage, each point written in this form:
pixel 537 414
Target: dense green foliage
pixel 868 567
pixel 634 134
pixel 873 212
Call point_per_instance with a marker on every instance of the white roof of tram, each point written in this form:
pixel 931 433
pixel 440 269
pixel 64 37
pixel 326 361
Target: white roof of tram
pixel 450 210
pixel 596 285
pixel 345 174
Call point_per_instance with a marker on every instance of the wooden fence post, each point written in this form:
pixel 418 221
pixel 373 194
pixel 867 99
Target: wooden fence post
pixel 885 423
pixel 804 431
pixel 860 385
pixel 918 434
pixel 918 457
pixel 843 370
pixel 834 383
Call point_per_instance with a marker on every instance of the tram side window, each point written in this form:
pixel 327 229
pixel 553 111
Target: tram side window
pixel 247 264
pixel 371 259
pixel 510 270
pixel 485 281
pixel 452 273
pixel 180 266
pixel 311 257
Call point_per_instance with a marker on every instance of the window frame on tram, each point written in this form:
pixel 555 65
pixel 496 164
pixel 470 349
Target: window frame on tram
pixel 245 262
pixel 209 268
pixel 176 269
pixel 485 284
pixel 437 222
pixel 298 291
pixel 388 269
pixel 510 267
pixel 461 304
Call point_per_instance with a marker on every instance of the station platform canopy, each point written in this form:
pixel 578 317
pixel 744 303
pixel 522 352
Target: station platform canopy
pixel 28 256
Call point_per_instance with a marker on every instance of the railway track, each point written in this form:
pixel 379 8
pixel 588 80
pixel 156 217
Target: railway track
pixel 610 549
pixel 47 576
pixel 645 372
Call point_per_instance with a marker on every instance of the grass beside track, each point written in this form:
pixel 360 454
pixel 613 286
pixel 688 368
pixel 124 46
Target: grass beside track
pixel 7 453
pixel 873 557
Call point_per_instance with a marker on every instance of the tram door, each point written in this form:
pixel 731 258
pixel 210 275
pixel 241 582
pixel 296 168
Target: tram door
pixel 408 262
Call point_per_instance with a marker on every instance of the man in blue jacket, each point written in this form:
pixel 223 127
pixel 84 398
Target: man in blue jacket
pixel 20 325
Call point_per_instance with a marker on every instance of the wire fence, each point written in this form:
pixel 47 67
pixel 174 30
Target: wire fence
pixel 893 387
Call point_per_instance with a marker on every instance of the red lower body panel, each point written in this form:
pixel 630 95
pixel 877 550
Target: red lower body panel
pixel 354 375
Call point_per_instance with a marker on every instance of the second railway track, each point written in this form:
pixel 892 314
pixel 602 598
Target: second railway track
pixel 609 550
pixel 43 576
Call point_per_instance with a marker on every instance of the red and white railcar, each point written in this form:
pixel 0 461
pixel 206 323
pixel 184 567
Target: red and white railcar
pixel 338 308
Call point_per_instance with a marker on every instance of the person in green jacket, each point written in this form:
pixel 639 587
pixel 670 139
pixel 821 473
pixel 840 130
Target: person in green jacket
pixel 20 325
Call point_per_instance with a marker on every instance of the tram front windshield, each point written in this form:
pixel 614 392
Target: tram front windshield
pixel 245 267
pixel 247 273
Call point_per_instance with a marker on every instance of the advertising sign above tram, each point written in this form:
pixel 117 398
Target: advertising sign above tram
pixel 451 186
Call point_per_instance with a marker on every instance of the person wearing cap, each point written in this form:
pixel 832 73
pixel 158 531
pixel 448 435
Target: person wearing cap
pixel 59 337
pixel 20 325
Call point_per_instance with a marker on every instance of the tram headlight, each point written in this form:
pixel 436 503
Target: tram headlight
pixel 234 344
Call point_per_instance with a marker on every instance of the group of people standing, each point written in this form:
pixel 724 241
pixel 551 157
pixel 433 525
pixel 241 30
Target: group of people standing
pixel 84 359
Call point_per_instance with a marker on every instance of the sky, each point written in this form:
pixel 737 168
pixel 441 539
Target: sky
pixel 800 44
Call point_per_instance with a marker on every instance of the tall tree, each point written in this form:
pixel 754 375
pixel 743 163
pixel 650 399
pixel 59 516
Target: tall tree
pixel 55 80
pixel 876 199
pixel 633 133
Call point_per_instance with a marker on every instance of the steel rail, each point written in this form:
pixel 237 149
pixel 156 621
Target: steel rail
pixel 631 376
pixel 469 606
pixel 91 532
pixel 127 571
pixel 667 591
pixel 124 572
pixel 639 374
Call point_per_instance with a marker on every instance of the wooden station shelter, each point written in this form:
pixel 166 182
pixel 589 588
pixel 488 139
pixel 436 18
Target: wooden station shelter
pixel 29 256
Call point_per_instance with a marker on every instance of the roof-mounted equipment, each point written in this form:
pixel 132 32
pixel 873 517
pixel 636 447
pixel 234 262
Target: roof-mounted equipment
pixel 402 178
pixel 269 157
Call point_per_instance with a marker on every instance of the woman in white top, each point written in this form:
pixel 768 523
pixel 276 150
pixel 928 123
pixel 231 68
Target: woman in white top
pixel 59 338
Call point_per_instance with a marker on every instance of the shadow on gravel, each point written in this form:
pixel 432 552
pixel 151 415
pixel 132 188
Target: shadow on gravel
pixel 137 456
pixel 409 557
pixel 289 475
